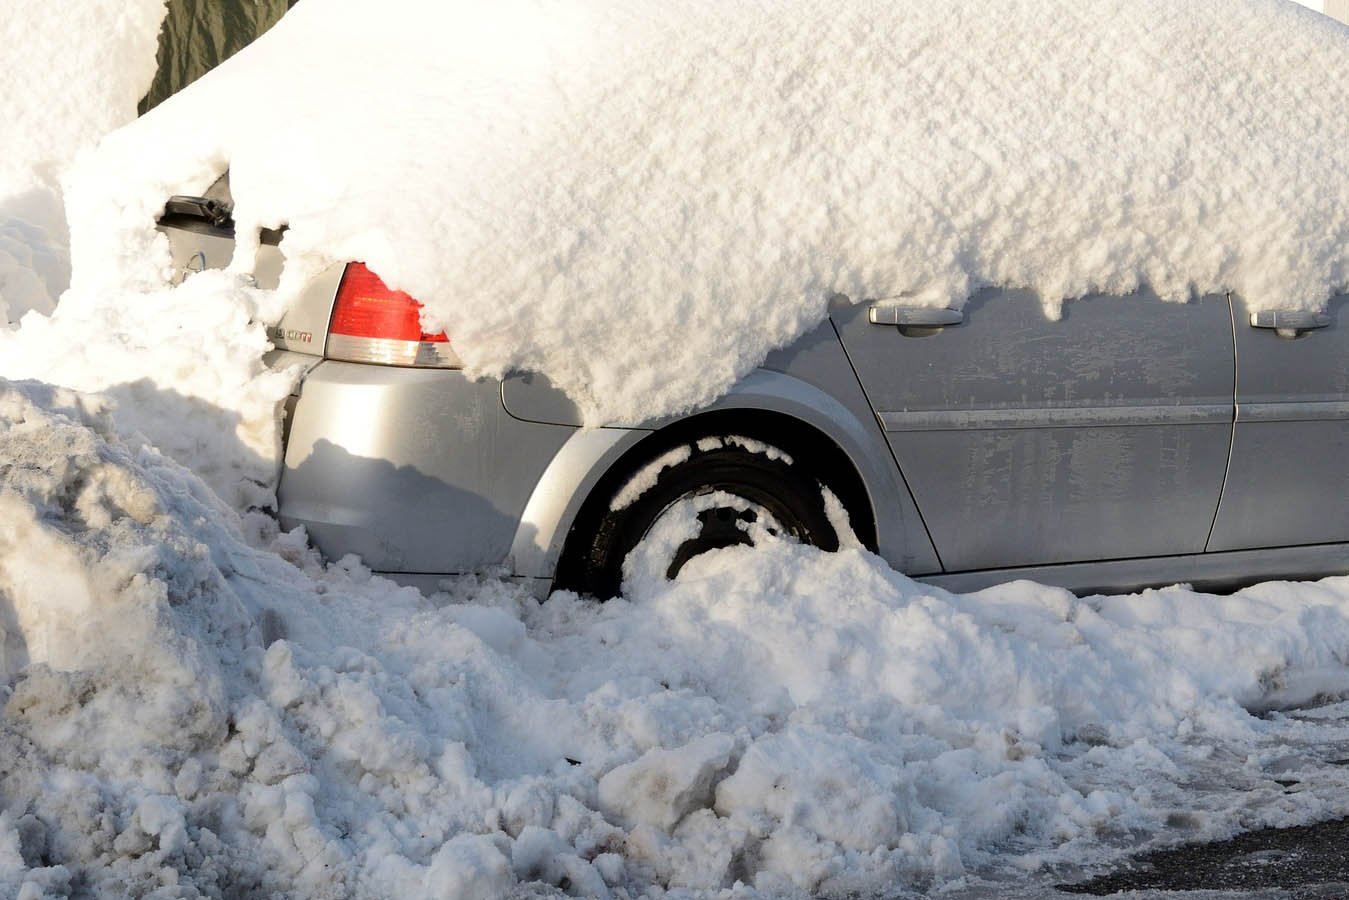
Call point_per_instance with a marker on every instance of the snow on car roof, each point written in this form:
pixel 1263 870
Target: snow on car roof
pixel 641 199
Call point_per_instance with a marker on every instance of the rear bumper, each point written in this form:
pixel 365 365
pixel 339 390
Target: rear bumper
pixel 419 471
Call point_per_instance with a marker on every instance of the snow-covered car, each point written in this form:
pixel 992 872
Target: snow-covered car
pixel 1052 292
pixel 1131 442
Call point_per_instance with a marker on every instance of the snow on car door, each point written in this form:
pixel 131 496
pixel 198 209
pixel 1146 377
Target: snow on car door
pixel 1026 441
pixel 1289 481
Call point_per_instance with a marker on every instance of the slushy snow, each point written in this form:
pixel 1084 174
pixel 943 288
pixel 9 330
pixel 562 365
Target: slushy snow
pixel 641 199
pixel 196 705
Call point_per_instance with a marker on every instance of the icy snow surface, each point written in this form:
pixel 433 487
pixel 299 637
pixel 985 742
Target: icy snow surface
pixel 641 199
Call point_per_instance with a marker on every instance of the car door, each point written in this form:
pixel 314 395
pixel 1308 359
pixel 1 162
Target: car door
pixel 1027 441
pixel 1288 483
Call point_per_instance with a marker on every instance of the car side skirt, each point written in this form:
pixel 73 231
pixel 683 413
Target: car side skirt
pixel 1216 572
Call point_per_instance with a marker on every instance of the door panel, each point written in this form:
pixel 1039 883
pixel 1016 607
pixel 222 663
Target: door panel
pixel 1103 435
pixel 1289 478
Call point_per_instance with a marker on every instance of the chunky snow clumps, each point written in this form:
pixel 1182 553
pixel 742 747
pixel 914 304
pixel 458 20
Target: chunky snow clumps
pixel 194 706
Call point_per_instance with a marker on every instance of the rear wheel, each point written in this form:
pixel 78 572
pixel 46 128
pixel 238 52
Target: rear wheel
pixel 699 496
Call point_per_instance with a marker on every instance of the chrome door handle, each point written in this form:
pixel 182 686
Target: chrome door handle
pixel 1289 323
pixel 920 316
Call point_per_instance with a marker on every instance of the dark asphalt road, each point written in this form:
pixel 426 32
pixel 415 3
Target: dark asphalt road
pixel 1303 862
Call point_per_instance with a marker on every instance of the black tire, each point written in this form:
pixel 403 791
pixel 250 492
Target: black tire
pixel 787 491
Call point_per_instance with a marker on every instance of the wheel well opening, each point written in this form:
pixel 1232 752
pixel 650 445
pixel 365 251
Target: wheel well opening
pixel 802 441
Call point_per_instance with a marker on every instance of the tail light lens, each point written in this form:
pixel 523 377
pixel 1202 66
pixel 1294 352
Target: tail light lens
pixel 373 324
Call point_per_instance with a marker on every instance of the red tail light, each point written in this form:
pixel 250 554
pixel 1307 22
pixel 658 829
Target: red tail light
pixel 371 323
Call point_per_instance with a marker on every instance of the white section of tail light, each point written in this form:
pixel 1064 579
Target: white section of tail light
pixel 373 324
pixel 391 352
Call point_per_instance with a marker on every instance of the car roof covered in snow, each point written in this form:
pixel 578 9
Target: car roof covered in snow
pixel 642 199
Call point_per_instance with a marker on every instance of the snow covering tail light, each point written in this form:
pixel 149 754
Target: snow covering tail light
pixel 373 324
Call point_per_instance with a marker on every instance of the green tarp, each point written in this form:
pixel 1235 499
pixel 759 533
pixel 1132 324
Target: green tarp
pixel 198 34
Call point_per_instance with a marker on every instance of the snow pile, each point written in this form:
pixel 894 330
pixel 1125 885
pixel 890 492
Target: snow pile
pixel 71 73
pixel 181 365
pixel 188 715
pixel 568 186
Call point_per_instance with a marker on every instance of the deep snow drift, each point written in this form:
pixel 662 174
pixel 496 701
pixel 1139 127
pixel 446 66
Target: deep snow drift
pixel 640 199
pixel 181 366
pixel 194 705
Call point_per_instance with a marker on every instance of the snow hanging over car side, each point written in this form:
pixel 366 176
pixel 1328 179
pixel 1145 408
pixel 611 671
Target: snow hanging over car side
pixel 641 199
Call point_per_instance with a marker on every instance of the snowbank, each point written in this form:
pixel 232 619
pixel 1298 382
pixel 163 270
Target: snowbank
pixel 641 199
pixel 194 704
pixel 182 366
pixel 70 74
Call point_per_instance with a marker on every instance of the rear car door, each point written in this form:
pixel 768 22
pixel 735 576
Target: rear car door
pixel 1026 441
pixel 1288 483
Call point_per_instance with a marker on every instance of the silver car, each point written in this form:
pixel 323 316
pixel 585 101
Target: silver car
pixel 1133 442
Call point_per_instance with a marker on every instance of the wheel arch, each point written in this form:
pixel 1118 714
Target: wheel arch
pixel 768 406
pixel 798 439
